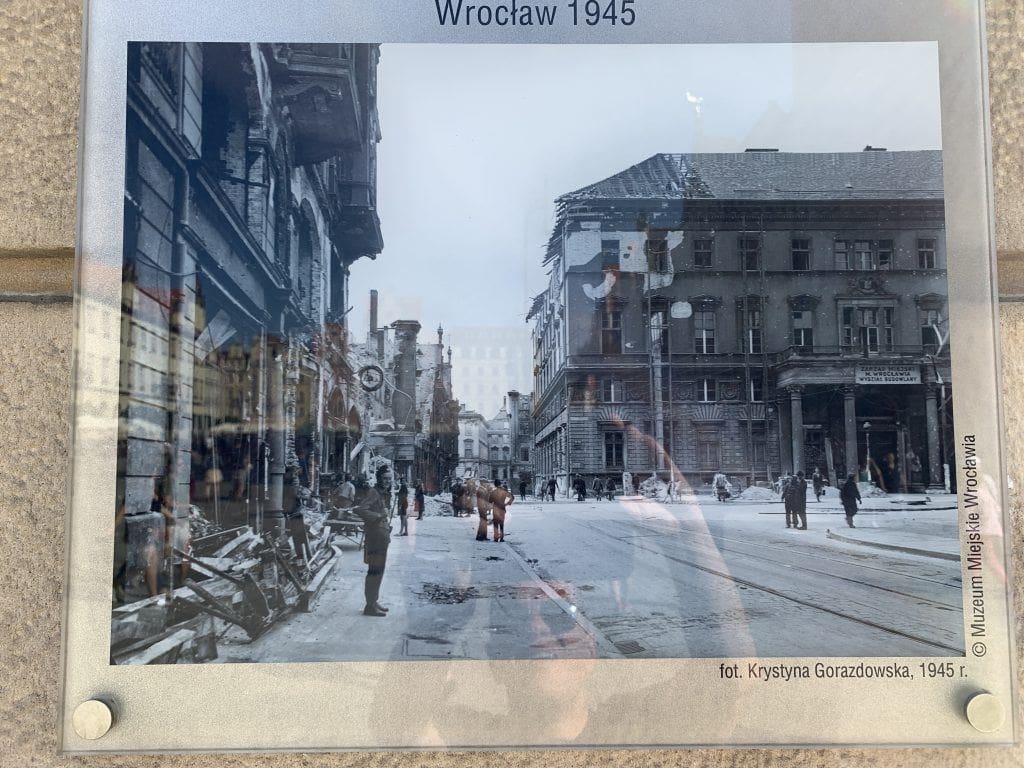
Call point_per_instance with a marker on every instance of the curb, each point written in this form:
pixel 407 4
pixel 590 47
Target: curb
pixel 893 547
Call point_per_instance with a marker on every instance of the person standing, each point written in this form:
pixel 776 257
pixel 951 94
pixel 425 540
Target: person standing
pixel 721 483
pixel 377 536
pixel 347 492
pixel 786 491
pixel 522 489
pixel 552 487
pixel 421 501
pixel 799 494
pixel 850 495
pixel 500 499
pixel 403 509
pixel 457 491
pixel 818 482
pixel 598 488
pixel 483 508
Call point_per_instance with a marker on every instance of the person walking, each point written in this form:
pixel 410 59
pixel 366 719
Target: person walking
pixel 609 488
pixel 552 487
pixel 500 499
pixel 721 483
pixel 799 500
pixel 420 501
pixel 457 491
pixel 818 482
pixel 403 509
pixel 376 538
pixel 483 508
pixel 850 496
pixel 598 488
pixel 522 489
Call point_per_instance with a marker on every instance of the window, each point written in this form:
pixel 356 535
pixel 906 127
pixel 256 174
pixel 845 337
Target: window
pixel 656 250
pixel 755 387
pixel 883 254
pixel 467 449
pixel 842 254
pixel 611 331
pixel 931 320
pixel 868 328
pixel 611 391
pixel 862 255
pixel 759 444
pixel 750 320
pixel 524 454
pixel 801 250
pixel 926 253
pixel 750 253
pixel 803 328
pixel 703 249
pixel 704 332
pixel 610 254
pixel 614 450
pixel 707 390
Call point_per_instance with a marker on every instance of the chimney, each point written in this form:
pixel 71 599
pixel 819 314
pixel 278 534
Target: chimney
pixel 373 311
pixel 403 402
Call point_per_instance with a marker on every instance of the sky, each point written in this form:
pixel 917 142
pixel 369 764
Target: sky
pixel 479 140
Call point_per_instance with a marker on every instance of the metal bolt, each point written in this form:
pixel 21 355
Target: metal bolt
pixel 985 712
pixel 92 719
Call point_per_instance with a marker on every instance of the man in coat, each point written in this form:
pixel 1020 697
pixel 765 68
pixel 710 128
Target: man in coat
pixel 850 495
pixel 483 508
pixel 500 499
pixel 376 538
pixel 798 494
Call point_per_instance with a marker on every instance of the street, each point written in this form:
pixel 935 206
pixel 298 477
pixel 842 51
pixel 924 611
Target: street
pixel 640 579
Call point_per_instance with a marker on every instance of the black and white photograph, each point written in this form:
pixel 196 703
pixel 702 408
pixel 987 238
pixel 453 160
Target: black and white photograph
pixel 534 352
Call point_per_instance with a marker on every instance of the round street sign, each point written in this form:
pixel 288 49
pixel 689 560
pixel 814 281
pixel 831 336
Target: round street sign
pixel 371 377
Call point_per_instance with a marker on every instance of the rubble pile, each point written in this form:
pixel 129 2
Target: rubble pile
pixel 232 578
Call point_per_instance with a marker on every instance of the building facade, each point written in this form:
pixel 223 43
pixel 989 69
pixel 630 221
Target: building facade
pixel 250 191
pixel 753 313
pixel 520 409
pixel 474 445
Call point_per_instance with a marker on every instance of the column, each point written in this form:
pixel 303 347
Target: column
pixel 797 421
pixel 850 430
pixel 785 437
pixel 931 404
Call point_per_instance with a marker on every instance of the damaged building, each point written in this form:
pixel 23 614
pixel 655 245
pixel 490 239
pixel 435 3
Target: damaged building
pixel 753 313
pixel 250 191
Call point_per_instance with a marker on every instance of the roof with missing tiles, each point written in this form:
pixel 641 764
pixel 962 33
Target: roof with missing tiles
pixel 771 175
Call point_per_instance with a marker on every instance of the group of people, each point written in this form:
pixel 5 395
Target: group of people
pixel 419 505
pixel 793 489
pixel 603 489
pixel 490 501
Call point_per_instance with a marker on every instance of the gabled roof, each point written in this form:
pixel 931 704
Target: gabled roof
pixel 769 175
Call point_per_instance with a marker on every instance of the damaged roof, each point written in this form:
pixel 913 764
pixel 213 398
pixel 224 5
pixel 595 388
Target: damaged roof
pixel 772 175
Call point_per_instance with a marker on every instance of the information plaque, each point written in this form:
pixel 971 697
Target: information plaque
pixel 503 375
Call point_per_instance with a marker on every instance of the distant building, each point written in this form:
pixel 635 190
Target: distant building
pixel 474 445
pixel 752 313
pixel 491 359
pixel 521 433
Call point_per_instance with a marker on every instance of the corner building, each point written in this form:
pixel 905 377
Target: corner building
pixel 753 313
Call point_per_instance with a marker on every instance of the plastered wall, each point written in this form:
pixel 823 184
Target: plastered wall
pixel 39 64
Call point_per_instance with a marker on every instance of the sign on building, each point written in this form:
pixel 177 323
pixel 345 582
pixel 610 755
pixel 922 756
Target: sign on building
pixel 888 374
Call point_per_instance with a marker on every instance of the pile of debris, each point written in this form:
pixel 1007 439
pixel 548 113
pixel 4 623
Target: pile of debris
pixel 231 577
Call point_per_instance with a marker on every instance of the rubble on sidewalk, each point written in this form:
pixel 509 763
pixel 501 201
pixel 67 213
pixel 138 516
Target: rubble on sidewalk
pixel 232 577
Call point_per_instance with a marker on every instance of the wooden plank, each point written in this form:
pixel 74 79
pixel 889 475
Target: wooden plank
pixel 164 651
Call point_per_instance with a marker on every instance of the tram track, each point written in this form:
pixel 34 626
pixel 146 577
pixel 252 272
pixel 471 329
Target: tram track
pixel 778 593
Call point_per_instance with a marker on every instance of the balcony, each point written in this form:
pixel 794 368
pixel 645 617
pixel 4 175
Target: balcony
pixel 317 83
pixel 356 224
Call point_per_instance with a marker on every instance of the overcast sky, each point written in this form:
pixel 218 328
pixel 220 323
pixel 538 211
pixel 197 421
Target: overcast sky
pixel 478 141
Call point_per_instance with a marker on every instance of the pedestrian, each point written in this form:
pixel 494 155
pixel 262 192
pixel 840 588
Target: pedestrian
pixel 850 495
pixel 552 487
pixel 818 482
pixel 483 508
pixel 420 501
pixel 598 488
pixel 721 484
pixel 457 491
pixel 522 489
pixel 347 492
pixel 293 496
pixel 500 499
pixel 581 489
pixel 403 509
pixel 785 484
pixel 376 538
pixel 609 488
pixel 799 500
